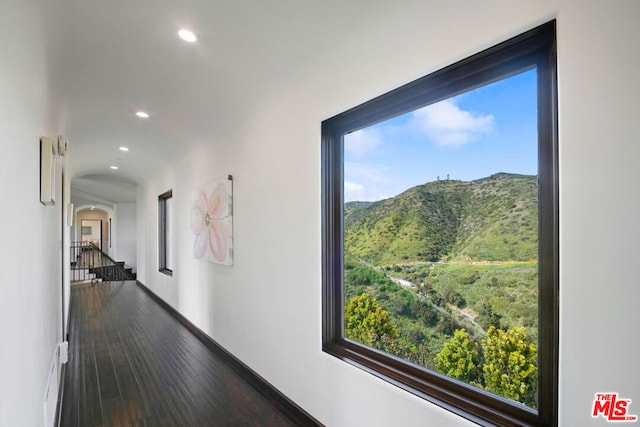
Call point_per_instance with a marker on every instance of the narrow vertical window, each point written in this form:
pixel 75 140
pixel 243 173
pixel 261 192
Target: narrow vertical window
pixel 165 233
pixel 440 234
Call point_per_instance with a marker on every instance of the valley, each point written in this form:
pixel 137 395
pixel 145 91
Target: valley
pixel 443 257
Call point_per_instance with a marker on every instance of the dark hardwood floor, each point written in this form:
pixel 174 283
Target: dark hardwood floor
pixel 131 363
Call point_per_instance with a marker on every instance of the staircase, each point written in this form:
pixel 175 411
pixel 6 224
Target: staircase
pixel 90 264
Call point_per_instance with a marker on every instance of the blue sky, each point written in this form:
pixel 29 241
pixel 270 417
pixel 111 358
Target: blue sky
pixel 473 135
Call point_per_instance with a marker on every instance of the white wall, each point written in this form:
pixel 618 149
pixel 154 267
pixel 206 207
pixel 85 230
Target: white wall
pixel 266 309
pixel 125 234
pixel 599 88
pixel 31 246
pixel 147 227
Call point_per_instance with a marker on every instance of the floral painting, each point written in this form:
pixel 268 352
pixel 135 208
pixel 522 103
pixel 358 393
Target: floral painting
pixel 211 221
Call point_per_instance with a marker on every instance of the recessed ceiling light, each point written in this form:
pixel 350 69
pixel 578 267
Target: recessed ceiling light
pixel 124 148
pixel 113 167
pixel 187 35
pixel 142 115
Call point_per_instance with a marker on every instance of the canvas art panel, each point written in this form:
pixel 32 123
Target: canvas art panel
pixel 212 221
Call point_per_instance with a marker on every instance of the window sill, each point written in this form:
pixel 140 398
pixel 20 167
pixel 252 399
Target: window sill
pixel 166 272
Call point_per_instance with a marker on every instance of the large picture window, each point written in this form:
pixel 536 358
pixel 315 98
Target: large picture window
pixel 440 234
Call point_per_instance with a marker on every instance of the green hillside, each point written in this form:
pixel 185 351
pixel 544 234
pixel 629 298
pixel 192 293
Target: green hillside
pixel 447 297
pixel 500 220
pixel 444 260
pixel 489 219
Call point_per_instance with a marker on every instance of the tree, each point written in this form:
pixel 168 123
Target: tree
pixel 424 312
pixel 459 358
pixel 446 325
pixel 367 322
pixel 509 367
pixel 506 364
pixel 450 295
pixel 487 317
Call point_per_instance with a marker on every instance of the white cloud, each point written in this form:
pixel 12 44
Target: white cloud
pixel 362 141
pixel 353 191
pixel 365 182
pixel 447 124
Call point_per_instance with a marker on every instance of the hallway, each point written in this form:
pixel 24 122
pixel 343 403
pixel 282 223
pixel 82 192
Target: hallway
pixel 131 363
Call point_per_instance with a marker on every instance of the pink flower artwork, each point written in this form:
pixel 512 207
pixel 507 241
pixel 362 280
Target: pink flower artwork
pixel 211 222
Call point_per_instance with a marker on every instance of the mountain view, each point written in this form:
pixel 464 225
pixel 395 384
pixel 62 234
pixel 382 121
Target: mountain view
pixel 490 219
pixel 444 275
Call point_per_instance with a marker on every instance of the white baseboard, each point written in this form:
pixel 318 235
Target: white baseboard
pixel 60 356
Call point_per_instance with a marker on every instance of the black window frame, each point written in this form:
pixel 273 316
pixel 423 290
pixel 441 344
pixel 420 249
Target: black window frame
pixel 533 49
pixel 162 232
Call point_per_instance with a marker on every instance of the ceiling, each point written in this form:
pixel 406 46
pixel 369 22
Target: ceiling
pixel 110 59
pixel 103 189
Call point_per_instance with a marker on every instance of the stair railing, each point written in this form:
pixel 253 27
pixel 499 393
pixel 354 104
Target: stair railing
pixel 90 263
